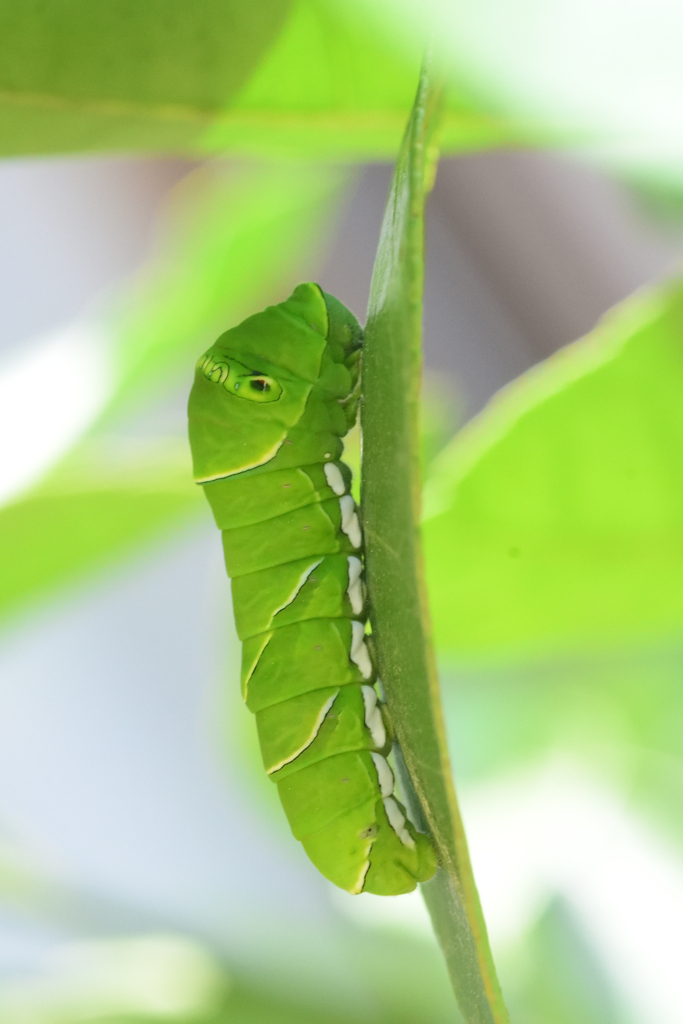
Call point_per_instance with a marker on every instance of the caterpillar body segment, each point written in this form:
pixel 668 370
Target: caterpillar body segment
pixel 271 402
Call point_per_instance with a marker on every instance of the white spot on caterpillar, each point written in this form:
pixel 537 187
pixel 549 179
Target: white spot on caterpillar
pixel 385 776
pixel 369 699
pixel 300 582
pixel 335 480
pixel 359 652
pixel 398 822
pixel 314 732
pixel 328 455
pixel 355 587
pixel 349 520
pixel 373 717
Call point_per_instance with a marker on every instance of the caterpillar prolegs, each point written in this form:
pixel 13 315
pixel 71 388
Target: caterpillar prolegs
pixel 272 400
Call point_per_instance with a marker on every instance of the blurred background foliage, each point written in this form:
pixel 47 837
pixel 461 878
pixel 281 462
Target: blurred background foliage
pixel 170 168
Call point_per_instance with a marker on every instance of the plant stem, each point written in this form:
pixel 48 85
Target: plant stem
pixel 391 499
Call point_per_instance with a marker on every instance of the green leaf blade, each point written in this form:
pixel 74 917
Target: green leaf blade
pixel 277 78
pixel 239 238
pixel 81 75
pixel 85 517
pixel 554 520
pixel 234 240
pixel 391 480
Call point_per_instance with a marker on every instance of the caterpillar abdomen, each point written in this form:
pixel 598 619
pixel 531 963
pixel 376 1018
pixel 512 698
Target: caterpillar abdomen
pixel 271 402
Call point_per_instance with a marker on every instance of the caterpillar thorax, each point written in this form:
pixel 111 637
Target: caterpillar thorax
pixel 271 402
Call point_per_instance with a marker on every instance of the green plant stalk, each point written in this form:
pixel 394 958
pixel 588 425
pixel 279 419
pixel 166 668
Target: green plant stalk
pixel 391 501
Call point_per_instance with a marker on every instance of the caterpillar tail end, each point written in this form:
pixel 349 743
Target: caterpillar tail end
pixel 402 870
pixel 376 861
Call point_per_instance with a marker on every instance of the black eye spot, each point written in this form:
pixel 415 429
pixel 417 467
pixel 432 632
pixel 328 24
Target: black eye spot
pixel 258 384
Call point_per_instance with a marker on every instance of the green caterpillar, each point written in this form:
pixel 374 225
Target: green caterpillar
pixel 271 402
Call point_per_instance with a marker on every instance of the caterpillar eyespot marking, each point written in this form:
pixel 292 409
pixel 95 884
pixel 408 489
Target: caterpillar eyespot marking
pixel 261 405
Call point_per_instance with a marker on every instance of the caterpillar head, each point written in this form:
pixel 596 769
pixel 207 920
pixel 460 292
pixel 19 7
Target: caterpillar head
pixel 252 385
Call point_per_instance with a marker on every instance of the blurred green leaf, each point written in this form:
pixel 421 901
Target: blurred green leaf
pixel 77 75
pixel 555 519
pixel 170 978
pixel 336 84
pixel 616 713
pixel 236 236
pixel 617 710
pixel 593 74
pixel 392 975
pixel 561 979
pixel 86 513
pixel 158 978
pixel 312 78
pixel 253 1005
